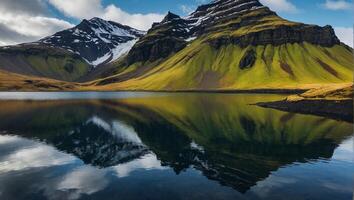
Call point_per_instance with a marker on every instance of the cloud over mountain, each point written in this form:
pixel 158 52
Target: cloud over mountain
pixel 337 5
pixel 81 9
pixel 280 5
pixel 25 21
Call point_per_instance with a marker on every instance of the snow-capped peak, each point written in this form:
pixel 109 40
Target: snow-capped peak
pixel 96 40
pixel 221 9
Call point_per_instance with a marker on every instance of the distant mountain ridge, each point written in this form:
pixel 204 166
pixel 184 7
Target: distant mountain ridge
pixel 96 40
pixel 71 54
pixel 43 61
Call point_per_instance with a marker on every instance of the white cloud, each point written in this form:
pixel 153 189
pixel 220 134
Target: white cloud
pixel 22 28
pixel 85 9
pixel 186 9
pixel 337 5
pixel 33 26
pixel 202 1
pixel 26 21
pixel 139 21
pixel 21 21
pixel 280 5
pixel 78 8
pixel 34 7
pixel 345 34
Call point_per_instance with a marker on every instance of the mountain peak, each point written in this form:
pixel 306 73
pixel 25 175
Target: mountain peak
pixel 170 16
pixel 96 19
pixel 225 8
pixel 96 40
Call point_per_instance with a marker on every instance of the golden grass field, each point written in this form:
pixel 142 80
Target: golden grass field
pixel 16 82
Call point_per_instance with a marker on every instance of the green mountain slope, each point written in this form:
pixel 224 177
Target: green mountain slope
pixel 251 48
pixel 199 66
pixel 43 61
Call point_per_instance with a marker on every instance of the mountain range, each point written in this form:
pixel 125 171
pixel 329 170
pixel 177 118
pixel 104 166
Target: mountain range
pixel 223 45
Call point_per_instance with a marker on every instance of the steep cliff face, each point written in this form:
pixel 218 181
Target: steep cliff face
pixel 162 39
pixel 323 36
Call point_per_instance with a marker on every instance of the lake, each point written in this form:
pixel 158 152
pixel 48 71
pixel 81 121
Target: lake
pixel 125 145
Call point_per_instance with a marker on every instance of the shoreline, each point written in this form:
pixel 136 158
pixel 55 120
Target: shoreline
pixel 334 109
pixel 236 91
pixel 335 103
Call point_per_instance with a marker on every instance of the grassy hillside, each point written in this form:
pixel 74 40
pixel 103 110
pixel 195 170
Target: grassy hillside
pixel 334 93
pixel 201 66
pixel 11 82
pixel 43 61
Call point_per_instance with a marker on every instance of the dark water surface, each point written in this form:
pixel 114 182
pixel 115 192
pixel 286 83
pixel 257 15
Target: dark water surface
pixel 168 146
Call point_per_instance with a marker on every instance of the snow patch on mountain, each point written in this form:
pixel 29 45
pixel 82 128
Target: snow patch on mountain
pixel 123 49
pixel 101 60
pixel 96 40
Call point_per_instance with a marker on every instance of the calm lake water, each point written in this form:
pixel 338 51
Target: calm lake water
pixel 168 146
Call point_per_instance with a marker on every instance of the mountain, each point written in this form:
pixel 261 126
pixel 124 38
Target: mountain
pixel 232 44
pixel 96 40
pixel 70 54
pixel 223 45
pixel 43 61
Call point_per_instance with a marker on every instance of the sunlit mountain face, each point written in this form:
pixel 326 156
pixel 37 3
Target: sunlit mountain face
pixel 86 147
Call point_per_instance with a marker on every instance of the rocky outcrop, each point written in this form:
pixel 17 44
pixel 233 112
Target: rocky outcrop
pixel 206 17
pixel 162 40
pixel 317 35
pixel 154 50
pixel 248 60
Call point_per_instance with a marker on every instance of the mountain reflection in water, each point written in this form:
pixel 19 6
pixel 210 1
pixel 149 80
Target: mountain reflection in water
pixel 221 136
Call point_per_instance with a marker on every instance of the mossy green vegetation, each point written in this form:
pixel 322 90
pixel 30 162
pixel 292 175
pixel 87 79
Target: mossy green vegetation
pixel 201 66
pixel 43 61
pixel 255 49
pixel 65 68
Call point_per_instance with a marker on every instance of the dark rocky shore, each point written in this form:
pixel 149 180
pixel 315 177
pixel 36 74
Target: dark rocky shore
pixel 332 103
pixel 339 110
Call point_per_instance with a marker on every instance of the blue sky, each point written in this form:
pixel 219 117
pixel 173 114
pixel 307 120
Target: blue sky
pixel 308 11
pixel 28 20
